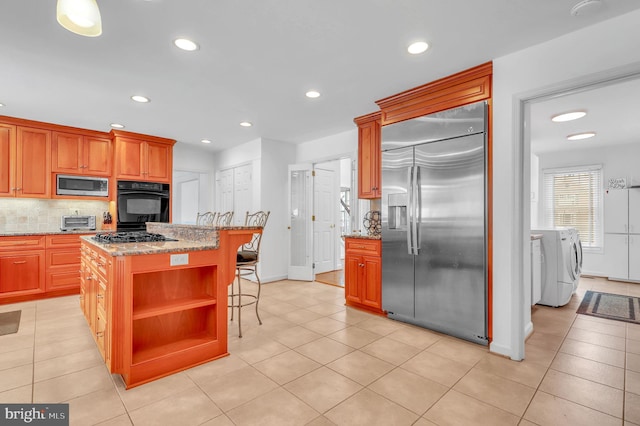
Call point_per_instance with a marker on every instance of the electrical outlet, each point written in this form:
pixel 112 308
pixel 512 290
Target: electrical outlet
pixel 179 259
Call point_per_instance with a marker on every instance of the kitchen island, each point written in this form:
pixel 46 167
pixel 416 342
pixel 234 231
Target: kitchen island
pixel 156 308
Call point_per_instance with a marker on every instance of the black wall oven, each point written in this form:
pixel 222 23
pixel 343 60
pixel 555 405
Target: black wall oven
pixel 141 202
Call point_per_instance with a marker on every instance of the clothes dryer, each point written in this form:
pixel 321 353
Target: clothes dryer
pixel 559 266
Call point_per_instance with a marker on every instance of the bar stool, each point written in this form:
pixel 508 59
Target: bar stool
pixel 246 264
pixel 224 219
pixel 206 218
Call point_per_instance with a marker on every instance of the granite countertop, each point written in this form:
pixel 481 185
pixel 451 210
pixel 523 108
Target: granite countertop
pixel 363 237
pixel 134 249
pixel 190 238
pixel 57 232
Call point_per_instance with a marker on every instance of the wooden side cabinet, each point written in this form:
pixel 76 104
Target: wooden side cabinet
pixel 145 158
pixel 363 274
pixel 80 154
pixel 369 156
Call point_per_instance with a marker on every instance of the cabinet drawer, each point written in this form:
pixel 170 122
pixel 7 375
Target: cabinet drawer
pixel 67 279
pixel 362 245
pixel 69 240
pixel 23 242
pixel 63 257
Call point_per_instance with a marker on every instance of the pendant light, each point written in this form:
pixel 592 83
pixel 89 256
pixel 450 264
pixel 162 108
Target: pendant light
pixel 80 16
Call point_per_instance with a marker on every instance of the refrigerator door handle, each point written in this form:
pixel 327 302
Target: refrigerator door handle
pixel 417 210
pixel 409 210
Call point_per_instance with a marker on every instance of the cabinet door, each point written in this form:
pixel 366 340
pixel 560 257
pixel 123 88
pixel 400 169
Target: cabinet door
pixel 536 272
pixel 22 271
pixel 369 160
pixel 372 282
pixel 66 153
pixel 158 162
pixel 33 175
pixel 352 274
pixel 129 159
pixel 7 160
pixel 97 156
pixel 616 255
pixel 616 210
pixel 634 210
pixel 634 257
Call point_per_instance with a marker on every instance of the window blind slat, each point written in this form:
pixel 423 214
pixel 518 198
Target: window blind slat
pixel 573 198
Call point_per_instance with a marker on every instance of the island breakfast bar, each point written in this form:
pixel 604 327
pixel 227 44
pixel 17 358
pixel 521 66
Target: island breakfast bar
pixel 156 308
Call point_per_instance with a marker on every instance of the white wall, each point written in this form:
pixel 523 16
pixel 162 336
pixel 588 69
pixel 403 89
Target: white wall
pixel 188 162
pixel 276 156
pixel 332 147
pixel 616 160
pixel 588 55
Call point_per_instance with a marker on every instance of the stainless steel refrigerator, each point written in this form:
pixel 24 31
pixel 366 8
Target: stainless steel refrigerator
pixel 434 222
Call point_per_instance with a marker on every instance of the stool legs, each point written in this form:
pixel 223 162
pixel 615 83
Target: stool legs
pixel 239 295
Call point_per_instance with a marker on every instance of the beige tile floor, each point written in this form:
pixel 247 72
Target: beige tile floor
pixel 315 362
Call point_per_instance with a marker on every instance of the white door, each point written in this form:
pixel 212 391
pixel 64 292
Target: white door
pixel 616 255
pixel 616 210
pixel 634 210
pixel 225 191
pixel 242 194
pixel 634 257
pixel 325 208
pixel 300 227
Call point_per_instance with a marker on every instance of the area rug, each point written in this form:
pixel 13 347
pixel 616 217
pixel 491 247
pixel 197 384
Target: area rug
pixel 611 306
pixel 9 322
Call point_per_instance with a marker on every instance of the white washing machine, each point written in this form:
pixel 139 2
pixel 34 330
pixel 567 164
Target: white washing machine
pixel 561 263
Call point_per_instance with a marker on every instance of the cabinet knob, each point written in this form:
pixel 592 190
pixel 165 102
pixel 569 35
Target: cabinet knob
pixel 100 334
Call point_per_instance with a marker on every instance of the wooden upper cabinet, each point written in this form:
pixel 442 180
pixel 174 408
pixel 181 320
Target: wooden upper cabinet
pixel 369 156
pixel 158 162
pixel 32 163
pixel 140 157
pixel 24 162
pixel 81 154
pixel 7 159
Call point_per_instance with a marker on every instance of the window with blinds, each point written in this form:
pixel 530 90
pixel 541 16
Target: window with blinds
pixel 573 198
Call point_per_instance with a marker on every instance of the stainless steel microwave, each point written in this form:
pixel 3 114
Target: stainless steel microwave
pixel 85 186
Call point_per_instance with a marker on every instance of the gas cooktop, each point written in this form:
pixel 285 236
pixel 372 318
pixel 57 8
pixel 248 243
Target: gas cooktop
pixel 129 237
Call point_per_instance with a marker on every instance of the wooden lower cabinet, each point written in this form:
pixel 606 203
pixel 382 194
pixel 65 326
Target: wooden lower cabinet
pixel 363 274
pixel 152 316
pixel 22 266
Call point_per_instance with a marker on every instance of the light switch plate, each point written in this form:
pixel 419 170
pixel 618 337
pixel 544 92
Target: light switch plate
pixel 179 259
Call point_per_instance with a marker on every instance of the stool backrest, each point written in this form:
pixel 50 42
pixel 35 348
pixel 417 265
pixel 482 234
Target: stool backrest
pixel 258 218
pixel 224 219
pixel 206 219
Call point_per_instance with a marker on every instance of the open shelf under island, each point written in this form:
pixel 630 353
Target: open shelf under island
pixel 156 308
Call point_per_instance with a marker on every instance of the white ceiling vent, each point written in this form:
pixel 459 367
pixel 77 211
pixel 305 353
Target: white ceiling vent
pixel 586 7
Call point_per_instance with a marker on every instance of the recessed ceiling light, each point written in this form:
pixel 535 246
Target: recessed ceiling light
pixel 205 141
pixel 579 136
pixel 418 47
pixel 141 99
pixel 186 44
pixel 568 116
pixel 117 126
pixel 246 124
pixel 312 94
pixel 1 105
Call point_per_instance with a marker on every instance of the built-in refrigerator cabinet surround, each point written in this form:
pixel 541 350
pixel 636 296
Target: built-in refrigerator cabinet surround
pixel 434 221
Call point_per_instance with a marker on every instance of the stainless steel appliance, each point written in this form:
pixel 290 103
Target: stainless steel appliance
pixel 85 186
pixel 141 202
pixel 434 222
pixel 129 237
pixel 77 222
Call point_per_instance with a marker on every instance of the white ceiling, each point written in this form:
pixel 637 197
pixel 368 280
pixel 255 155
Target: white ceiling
pixel 256 61
pixel 612 113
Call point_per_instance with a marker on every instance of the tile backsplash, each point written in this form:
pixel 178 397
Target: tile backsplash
pixel 29 214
